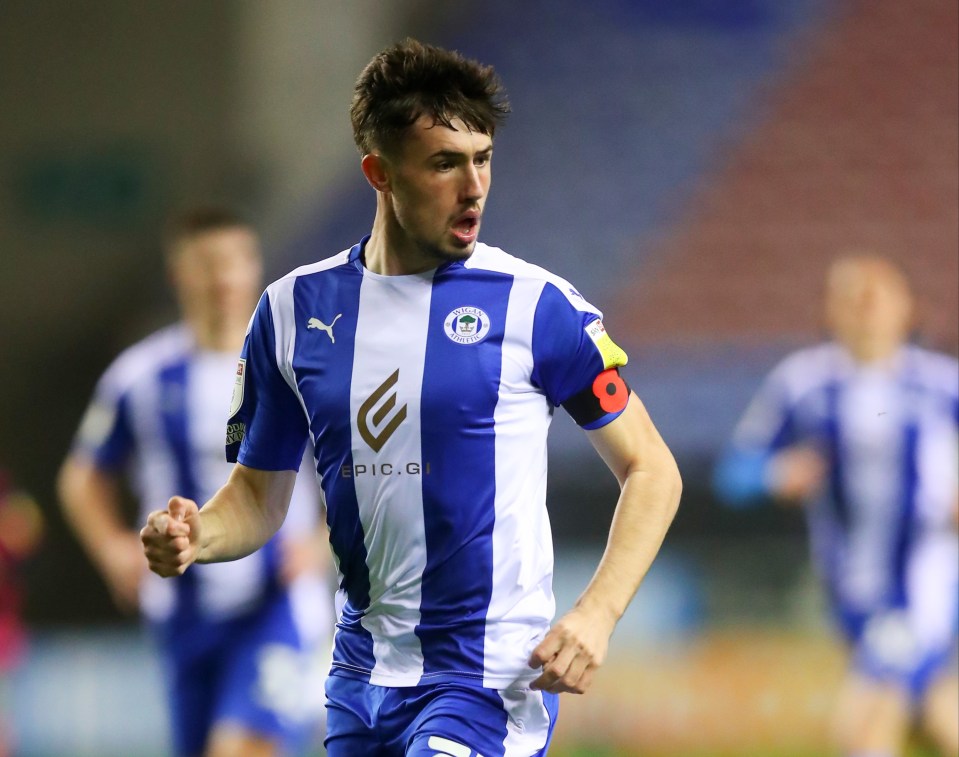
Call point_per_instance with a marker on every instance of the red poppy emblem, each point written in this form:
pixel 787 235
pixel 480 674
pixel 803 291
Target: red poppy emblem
pixel 611 391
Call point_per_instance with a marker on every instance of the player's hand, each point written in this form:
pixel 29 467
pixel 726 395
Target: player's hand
pixel 171 537
pixel 571 652
pixel 797 473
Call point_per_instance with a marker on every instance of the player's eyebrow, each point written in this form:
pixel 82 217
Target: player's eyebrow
pixel 459 154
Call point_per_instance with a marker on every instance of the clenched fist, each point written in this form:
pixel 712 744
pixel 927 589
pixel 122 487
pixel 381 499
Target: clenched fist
pixel 171 537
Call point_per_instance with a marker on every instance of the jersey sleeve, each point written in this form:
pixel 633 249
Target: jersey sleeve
pixel 575 362
pixel 767 424
pixel 952 388
pixel 740 474
pixel 105 435
pixel 267 429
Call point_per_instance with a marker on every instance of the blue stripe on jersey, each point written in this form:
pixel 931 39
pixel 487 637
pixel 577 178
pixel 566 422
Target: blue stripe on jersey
pixel 112 452
pixel 834 440
pixel 907 516
pixel 459 396
pixel 565 361
pixel 172 407
pixel 786 433
pixel 324 377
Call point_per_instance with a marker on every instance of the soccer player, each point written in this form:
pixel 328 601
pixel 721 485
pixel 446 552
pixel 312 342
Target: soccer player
pixel 425 367
pixel 233 637
pixel 862 431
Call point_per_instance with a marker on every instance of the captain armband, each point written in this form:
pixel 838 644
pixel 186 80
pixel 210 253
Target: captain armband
pixel 608 394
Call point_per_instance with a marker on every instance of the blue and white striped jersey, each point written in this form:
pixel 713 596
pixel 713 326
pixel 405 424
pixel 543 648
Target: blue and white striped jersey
pixel 157 415
pixel 882 530
pixel 428 398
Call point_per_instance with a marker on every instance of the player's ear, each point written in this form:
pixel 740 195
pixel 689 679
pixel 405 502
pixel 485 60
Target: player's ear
pixel 376 171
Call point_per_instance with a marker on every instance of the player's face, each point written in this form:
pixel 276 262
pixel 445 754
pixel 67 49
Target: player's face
pixel 869 304
pixel 217 276
pixel 439 182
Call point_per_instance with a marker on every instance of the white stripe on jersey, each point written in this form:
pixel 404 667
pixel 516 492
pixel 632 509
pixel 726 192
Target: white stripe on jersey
pixel 521 588
pixel 489 258
pixel 391 308
pixel 870 422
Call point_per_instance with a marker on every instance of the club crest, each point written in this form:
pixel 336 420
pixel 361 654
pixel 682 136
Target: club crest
pixel 467 325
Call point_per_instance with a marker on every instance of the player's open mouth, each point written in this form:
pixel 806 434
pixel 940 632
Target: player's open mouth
pixel 466 228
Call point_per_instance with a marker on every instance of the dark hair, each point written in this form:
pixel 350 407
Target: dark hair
pixel 412 79
pixel 195 221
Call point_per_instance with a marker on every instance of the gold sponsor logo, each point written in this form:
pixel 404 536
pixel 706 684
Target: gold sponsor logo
pixel 378 417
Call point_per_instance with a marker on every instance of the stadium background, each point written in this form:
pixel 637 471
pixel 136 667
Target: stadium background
pixel 689 166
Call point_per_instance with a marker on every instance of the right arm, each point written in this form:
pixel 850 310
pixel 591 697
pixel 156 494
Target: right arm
pixel 239 519
pixel 89 480
pixel 91 504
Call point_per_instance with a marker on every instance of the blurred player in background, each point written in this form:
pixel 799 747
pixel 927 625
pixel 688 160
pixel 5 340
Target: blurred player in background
pixel 426 367
pixel 236 638
pixel 21 530
pixel 863 431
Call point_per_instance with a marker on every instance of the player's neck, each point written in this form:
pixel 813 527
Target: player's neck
pixel 873 351
pixel 390 251
pixel 218 337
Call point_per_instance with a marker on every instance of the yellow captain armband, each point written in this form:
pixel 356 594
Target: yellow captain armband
pixel 612 354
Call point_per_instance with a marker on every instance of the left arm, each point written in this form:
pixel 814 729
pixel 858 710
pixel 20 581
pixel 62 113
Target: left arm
pixel 650 487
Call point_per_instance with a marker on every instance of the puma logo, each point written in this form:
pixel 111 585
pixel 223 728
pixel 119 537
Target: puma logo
pixel 316 323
